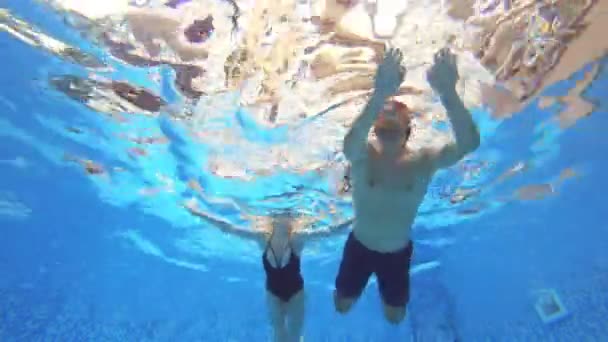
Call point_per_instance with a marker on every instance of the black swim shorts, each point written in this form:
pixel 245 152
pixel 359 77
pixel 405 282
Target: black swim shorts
pixel 391 269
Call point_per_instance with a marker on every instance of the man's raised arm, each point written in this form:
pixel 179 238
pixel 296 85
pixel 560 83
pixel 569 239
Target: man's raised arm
pixel 467 138
pixel 355 141
pixel 389 77
pixel 443 76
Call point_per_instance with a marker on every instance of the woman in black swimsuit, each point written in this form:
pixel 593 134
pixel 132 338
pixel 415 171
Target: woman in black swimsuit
pixel 281 237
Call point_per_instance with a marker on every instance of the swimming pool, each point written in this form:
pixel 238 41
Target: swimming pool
pixel 113 256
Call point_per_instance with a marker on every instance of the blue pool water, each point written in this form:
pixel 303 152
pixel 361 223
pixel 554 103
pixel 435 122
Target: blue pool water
pixel 88 259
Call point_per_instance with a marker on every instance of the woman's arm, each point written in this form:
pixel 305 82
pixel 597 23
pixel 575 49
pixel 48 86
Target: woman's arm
pixel 327 231
pixel 222 224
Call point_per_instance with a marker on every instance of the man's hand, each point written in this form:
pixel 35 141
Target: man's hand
pixel 390 73
pixel 443 75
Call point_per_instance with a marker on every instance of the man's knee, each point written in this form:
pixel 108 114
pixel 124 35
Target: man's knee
pixel 394 314
pixel 343 304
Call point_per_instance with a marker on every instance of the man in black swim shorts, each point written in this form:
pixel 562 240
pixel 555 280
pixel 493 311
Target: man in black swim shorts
pixel 390 180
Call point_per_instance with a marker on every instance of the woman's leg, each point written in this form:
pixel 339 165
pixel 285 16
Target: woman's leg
pixel 277 311
pixel 295 316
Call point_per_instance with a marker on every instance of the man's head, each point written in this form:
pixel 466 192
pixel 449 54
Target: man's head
pixel 393 125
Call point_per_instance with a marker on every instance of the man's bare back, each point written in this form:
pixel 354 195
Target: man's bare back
pixel 389 182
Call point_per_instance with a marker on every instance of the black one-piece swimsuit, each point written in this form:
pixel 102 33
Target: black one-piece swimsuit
pixel 283 282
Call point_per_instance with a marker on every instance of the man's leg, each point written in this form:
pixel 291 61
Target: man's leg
pixel 394 314
pixel 394 283
pixel 342 303
pixel 353 274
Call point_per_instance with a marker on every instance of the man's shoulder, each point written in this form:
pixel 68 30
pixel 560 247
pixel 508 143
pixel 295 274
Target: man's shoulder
pixel 420 159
